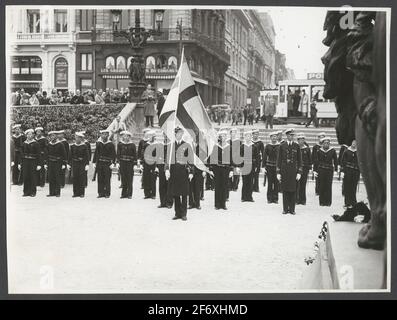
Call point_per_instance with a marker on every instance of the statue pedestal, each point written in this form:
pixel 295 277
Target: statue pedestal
pixel 136 90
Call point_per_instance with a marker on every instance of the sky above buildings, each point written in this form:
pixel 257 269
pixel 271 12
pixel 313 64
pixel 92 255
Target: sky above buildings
pixel 299 32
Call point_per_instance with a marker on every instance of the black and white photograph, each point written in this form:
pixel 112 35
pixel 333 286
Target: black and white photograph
pixel 197 149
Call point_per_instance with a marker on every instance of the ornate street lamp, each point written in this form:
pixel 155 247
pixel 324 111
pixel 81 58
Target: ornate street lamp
pixel 137 37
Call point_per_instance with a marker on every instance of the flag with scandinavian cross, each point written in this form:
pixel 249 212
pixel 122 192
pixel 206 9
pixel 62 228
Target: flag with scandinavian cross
pixel 184 108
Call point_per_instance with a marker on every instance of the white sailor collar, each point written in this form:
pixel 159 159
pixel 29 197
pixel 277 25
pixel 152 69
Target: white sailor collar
pixel 224 146
pixel 248 145
pixel 29 142
pixel 101 141
pixel 20 135
pixel 351 149
pixel 42 137
pixel 329 149
pixel 53 143
pixel 125 142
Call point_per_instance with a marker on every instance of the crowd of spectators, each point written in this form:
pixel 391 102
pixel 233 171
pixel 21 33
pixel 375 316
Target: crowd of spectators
pixel 72 118
pixel 22 98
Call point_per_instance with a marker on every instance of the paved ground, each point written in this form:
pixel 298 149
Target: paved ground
pixel 118 245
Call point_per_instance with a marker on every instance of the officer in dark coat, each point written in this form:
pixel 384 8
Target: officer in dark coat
pixel 270 165
pixel 326 163
pixel 315 148
pixel 351 174
pixel 55 161
pixel 251 156
pixel 306 167
pixel 149 174
pixel 18 138
pixel 43 142
pixel 104 161
pixel 165 199
pixel 261 149
pixel 221 169
pixel 235 146
pixel 61 138
pixel 289 169
pixel 179 171
pixel 126 160
pixel 31 163
pixel 78 163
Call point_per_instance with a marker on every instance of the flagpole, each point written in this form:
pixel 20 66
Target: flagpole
pixel 176 109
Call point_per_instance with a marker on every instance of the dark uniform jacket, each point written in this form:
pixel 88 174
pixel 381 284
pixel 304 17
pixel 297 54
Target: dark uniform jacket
pixel 79 154
pixel 56 152
pixel 270 155
pixel 315 149
pixel 104 151
pixel 349 160
pixel 289 164
pixel 261 149
pixel 180 167
pixel 306 158
pixel 325 159
pixel 126 152
pixel 67 147
pixel 18 142
pixel 221 157
pixel 43 142
pixel 342 149
pixel 31 151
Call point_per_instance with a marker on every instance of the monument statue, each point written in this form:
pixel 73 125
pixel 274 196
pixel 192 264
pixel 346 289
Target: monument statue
pixel 355 76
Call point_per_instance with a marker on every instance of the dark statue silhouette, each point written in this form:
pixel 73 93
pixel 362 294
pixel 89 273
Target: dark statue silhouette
pixel 355 76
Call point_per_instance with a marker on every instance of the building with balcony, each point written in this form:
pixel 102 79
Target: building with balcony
pixel 261 56
pixel 42 48
pixel 238 27
pixel 103 58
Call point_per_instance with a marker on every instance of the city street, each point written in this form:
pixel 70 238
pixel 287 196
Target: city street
pixel 65 245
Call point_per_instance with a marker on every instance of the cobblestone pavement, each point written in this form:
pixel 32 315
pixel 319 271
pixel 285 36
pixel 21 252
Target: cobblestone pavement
pixel 118 245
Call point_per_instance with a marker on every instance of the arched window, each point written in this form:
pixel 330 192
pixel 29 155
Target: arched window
pixel 109 63
pixel 150 62
pixel 129 62
pixel 172 62
pixel 61 73
pixel 120 63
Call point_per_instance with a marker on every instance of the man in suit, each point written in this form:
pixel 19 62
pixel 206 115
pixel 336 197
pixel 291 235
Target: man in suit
pixel 179 171
pixel 289 169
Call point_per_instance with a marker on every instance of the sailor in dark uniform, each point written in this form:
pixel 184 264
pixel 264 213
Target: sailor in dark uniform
pixel 261 149
pixel 148 167
pixel 306 167
pixel 196 184
pixel 235 146
pixel 79 164
pixel 221 169
pixel 315 148
pixel 43 142
pixel 61 138
pixel 165 199
pixel 55 162
pixel 179 171
pixel 104 161
pixel 351 174
pixel 289 169
pixel 270 165
pixel 251 156
pixel 126 160
pixel 326 163
pixel 18 138
pixel 31 163
pixel 88 144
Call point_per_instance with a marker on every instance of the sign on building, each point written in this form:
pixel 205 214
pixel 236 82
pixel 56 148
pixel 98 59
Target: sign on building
pixel 315 76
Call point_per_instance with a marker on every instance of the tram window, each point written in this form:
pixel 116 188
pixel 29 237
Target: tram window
pixel 282 93
pixel 317 93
